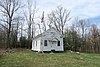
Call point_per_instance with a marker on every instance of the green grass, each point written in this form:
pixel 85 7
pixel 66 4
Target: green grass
pixel 66 59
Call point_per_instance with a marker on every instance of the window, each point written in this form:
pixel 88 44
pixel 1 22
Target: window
pixel 58 43
pixel 36 43
pixel 45 42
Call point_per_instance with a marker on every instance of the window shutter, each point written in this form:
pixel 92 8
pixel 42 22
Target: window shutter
pixel 45 42
pixel 58 43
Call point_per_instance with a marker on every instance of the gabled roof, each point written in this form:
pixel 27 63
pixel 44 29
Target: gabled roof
pixel 42 34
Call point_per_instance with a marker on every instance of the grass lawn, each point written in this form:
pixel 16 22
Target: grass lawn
pixel 33 59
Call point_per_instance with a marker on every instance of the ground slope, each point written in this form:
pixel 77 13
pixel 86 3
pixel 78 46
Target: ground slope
pixel 33 59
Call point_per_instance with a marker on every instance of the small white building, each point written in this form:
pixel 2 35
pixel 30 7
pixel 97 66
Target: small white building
pixel 51 40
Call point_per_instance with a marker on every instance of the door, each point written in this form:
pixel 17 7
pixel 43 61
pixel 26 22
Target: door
pixel 53 45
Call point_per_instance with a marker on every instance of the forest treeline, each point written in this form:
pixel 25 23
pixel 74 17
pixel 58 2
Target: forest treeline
pixel 88 40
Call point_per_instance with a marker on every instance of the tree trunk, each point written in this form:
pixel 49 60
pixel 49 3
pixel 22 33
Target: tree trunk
pixel 8 35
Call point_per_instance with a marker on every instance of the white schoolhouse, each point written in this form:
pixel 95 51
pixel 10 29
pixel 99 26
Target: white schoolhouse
pixel 50 40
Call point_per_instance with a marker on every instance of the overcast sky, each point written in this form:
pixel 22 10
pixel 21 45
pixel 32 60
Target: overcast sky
pixel 81 8
pixel 78 8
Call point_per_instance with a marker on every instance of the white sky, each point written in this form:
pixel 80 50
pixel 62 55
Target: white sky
pixel 78 8
pixel 84 8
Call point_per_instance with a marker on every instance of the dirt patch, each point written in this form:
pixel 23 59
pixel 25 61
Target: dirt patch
pixel 2 51
pixel 17 50
pixel 5 51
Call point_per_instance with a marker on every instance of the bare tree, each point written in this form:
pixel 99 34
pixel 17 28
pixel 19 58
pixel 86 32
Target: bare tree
pixel 58 18
pixel 29 17
pixel 82 25
pixel 17 23
pixel 94 37
pixel 8 10
pixel 82 29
